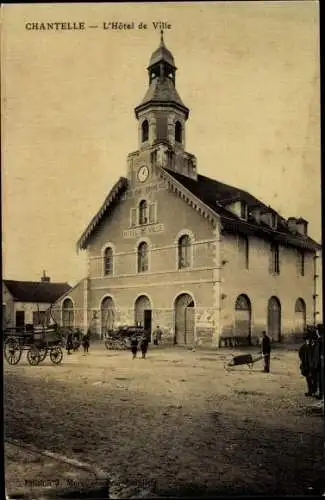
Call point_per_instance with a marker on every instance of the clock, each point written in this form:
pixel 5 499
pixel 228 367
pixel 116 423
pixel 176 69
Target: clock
pixel 143 173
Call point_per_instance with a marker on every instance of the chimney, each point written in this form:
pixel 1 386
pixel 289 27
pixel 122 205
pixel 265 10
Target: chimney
pixel 301 225
pixel 45 278
pixel 292 224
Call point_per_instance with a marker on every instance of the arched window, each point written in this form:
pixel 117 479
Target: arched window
pixel 184 250
pixel 178 132
pixel 143 257
pixel 68 313
pixel 145 131
pixel 108 261
pixel 143 212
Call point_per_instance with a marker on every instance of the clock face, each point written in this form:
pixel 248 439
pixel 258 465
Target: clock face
pixel 143 173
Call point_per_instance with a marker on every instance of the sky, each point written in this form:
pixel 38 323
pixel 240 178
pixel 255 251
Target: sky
pixel 248 71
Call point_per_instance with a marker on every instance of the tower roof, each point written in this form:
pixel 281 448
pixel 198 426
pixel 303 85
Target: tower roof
pixel 162 53
pixel 162 91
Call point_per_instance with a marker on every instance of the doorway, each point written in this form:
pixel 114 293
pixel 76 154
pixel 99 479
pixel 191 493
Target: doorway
pixel 184 319
pixel 20 319
pixel 143 312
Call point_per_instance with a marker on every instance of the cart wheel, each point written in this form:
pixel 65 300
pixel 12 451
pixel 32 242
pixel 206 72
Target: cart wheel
pixel 56 355
pixel 42 354
pixel 33 356
pixel 12 351
pixel 229 363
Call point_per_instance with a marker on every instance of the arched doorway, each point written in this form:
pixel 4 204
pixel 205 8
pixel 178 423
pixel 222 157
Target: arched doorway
pixel 184 319
pixel 107 315
pixel 143 313
pixel 67 313
pixel 243 318
pixel 300 316
pixel 274 319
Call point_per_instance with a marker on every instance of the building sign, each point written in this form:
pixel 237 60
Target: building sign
pixel 143 231
pixel 145 190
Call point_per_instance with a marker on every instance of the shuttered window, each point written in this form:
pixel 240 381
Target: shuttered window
pixel 133 217
pixel 152 212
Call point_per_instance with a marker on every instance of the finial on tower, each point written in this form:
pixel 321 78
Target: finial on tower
pixel 162 37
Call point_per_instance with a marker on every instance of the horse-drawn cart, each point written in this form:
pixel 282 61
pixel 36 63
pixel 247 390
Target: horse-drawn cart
pixel 37 343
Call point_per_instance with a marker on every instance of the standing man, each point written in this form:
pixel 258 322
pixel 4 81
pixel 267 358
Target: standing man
pixel 157 334
pixel 306 365
pixel 266 351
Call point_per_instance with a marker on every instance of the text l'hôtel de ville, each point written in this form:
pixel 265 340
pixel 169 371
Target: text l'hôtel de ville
pixel 105 25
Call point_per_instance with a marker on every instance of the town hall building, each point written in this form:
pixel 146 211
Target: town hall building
pixel 205 261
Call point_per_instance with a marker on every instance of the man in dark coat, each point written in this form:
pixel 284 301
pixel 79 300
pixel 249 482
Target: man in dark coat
pixel 309 363
pixel 266 351
pixel 144 343
pixel 134 346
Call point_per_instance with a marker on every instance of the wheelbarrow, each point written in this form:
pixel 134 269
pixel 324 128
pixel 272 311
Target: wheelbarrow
pixel 242 359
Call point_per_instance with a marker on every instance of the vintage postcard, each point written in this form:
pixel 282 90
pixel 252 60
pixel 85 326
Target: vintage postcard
pixel 162 257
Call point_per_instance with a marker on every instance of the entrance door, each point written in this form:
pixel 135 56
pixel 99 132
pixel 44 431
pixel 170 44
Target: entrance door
pixel 184 319
pixel 20 319
pixel 189 313
pixel 147 322
pixel 274 319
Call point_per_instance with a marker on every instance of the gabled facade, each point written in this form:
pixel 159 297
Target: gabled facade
pixel 27 302
pixel 205 261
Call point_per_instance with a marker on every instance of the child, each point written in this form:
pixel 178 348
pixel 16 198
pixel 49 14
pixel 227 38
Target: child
pixel 134 346
pixel 69 344
pixel 85 343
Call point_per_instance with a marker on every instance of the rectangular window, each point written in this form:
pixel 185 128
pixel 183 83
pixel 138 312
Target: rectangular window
pixel 39 318
pixel 275 262
pixel 274 221
pixel 301 262
pixel 243 210
pixel 243 247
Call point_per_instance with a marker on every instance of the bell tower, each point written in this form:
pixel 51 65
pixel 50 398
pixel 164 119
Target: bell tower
pixel 162 116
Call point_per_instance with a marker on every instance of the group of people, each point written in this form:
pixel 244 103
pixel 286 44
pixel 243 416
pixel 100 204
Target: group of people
pixel 311 355
pixel 142 343
pixel 75 339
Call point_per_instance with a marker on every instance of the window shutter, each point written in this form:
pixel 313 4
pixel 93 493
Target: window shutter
pixel 133 217
pixel 152 212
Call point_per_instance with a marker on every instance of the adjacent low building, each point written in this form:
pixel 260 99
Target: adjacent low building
pixel 28 302
pixel 205 261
